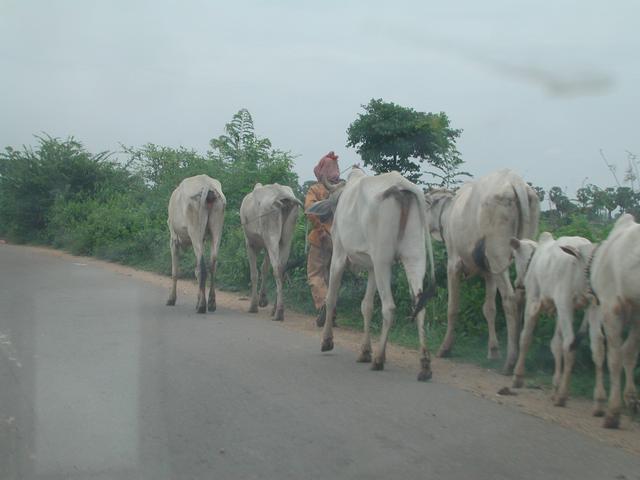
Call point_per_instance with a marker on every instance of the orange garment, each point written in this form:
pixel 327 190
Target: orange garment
pixel 320 247
pixel 320 232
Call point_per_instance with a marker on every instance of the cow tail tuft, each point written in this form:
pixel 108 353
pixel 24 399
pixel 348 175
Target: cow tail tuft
pixel 479 255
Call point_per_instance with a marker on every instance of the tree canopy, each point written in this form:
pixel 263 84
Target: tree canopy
pixel 391 137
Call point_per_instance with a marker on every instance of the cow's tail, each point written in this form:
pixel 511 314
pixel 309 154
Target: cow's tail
pixel 525 228
pixel 207 198
pixel 286 205
pixel 404 195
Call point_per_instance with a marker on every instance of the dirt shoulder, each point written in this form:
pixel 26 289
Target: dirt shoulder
pixel 479 381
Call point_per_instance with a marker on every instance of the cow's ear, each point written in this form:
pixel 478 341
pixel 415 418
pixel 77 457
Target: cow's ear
pixel 515 243
pixel 322 209
pixel 570 250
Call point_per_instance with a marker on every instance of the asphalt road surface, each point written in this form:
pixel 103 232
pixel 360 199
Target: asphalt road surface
pixel 100 380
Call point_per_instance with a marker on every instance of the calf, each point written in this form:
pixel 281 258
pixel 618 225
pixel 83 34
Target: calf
pixel 552 275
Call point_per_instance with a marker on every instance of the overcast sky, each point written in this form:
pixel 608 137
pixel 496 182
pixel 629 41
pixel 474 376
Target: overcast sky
pixel 539 87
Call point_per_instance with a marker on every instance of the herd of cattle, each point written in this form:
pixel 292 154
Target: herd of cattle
pixel 485 225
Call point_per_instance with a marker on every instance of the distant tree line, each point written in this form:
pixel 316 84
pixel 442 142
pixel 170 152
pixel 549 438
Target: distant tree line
pixel 598 204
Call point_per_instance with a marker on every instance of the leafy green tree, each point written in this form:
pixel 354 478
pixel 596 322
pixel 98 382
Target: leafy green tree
pixel 391 137
pixel 539 191
pixel 246 159
pixel 606 199
pixel 159 165
pixel 584 197
pixel 563 204
pixel 625 199
pixel 32 180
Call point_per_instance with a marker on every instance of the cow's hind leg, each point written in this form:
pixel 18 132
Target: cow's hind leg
pixel 263 300
pixel 367 311
pixel 629 360
pixel 382 273
pixel 201 277
pixel 565 321
pixel 510 312
pixel 278 314
pixel 214 224
pixel 556 351
pixel 338 263
pixel 453 298
pixel 175 264
pixel 597 354
pixel 489 311
pixel 253 268
pixel 613 332
pixel 531 314
pixel 273 250
pixel 415 269
pixel 211 304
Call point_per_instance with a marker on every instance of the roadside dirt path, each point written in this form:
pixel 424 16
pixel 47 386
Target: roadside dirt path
pixel 480 382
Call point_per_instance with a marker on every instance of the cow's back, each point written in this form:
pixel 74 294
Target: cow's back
pixel 555 273
pixel 615 273
pixel 486 213
pixel 184 204
pixel 260 211
pixel 365 219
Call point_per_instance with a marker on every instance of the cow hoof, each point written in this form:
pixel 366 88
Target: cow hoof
pixel 560 401
pixel 171 302
pixel 264 301
pixel 365 357
pixel 518 381
pixel 377 365
pixel 611 421
pixel 632 403
pixel 253 309
pixel 212 307
pixel 201 309
pixel 424 375
pixel 327 345
pixel 508 369
pixel 444 352
pixel 598 411
pixel 494 353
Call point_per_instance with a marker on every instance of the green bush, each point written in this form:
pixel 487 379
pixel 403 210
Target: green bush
pixel 58 193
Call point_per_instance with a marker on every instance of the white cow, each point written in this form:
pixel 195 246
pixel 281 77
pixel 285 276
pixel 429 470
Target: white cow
pixel 268 215
pixel 378 220
pixel 614 274
pixel 552 274
pixel 196 208
pixel 476 223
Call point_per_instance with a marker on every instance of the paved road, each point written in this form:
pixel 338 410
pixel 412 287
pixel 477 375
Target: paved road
pixel 99 380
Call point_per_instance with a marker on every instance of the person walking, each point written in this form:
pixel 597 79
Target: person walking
pixel 320 246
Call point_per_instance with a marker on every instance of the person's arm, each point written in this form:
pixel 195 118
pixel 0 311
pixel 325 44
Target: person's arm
pixel 314 195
